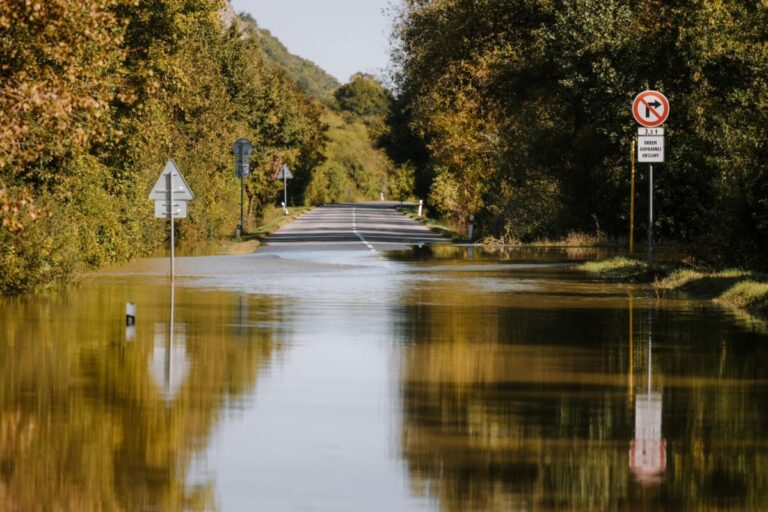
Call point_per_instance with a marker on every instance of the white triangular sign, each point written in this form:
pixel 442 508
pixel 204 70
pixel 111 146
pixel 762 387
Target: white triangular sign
pixel 285 173
pixel 181 190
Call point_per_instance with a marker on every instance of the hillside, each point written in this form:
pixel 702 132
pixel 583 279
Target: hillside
pixel 311 78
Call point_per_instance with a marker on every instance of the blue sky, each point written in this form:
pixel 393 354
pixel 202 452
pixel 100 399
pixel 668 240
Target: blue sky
pixel 341 36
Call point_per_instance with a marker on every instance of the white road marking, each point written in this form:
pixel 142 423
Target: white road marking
pixel 355 231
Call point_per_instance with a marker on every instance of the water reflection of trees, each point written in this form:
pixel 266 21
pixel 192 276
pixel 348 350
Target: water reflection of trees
pixel 508 404
pixel 83 425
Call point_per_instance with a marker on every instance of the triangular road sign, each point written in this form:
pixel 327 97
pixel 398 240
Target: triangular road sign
pixel 181 190
pixel 284 174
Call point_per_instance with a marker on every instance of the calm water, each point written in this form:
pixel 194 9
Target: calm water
pixel 427 380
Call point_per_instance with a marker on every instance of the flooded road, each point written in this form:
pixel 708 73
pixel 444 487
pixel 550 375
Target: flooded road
pixel 310 377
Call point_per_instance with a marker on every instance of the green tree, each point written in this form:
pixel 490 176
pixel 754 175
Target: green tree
pixel 537 95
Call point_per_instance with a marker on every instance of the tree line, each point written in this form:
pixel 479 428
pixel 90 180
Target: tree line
pixel 518 111
pixel 96 95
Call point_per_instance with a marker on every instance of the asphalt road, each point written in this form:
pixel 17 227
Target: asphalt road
pixel 359 226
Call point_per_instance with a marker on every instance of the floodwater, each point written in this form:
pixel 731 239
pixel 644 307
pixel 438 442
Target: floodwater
pixel 425 380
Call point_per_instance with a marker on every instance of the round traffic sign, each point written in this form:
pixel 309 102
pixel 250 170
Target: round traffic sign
pixel 650 108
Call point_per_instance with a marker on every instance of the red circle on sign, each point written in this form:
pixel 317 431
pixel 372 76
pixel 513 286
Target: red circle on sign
pixel 650 108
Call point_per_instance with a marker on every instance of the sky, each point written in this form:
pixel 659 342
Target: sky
pixel 341 36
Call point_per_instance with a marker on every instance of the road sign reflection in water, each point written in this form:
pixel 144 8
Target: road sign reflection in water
pixel 648 449
pixel 169 363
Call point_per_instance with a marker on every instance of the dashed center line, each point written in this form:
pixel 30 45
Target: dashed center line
pixel 356 232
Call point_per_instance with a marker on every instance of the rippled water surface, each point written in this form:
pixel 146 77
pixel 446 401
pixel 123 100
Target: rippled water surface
pixel 349 381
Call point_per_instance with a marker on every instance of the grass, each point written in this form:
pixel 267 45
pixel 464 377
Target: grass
pixel 578 239
pixel 735 288
pixel 709 285
pixel 749 295
pixel 435 225
pixel 274 218
pixel 616 268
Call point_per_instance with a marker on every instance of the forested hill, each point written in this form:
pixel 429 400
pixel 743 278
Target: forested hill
pixel 311 78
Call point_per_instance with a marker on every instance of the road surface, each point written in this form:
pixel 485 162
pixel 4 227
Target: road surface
pixel 360 226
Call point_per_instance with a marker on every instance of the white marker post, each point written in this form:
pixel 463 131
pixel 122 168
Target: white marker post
pixel 171 193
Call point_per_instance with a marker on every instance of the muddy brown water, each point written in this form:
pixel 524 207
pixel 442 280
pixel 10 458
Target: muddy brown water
pixel 419 380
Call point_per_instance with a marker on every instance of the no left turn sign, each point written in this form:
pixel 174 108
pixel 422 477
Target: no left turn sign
pixel 650 108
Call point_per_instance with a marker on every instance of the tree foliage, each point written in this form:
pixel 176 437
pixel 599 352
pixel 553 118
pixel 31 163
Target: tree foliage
pixel 96 95
pixel 523 107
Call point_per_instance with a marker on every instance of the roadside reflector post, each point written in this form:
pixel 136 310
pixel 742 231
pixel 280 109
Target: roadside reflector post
pixel 421 205
pixel 471 228
pixel 130 321
pixel 130 314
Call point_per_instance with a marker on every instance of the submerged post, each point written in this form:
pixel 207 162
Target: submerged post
pixel 130 321
pixel 130 314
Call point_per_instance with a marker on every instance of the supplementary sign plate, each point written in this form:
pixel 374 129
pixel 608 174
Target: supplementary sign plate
pixel 650 131
pixel 650 149
pixel 650 108
pixel 181 190
pixel 163 209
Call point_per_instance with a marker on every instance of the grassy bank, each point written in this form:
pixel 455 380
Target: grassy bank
pixel 735 288
pixel 434 225
pixel 618 268
pixel 274 219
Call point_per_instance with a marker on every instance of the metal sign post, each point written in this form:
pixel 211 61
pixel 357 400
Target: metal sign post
pixel 242 151
pixel 650 109
pixel 632 204
pixel 650 216
pixel 169 189
pixel 171 193
pixel 285 174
